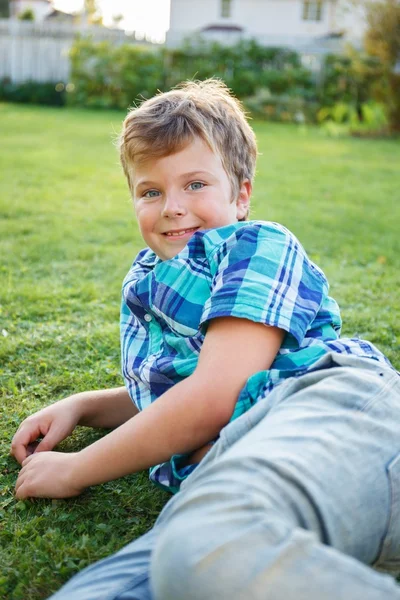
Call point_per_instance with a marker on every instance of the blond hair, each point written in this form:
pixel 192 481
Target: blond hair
pixel 169 121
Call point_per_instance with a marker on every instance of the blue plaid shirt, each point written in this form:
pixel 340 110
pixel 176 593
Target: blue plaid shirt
pixel 253 270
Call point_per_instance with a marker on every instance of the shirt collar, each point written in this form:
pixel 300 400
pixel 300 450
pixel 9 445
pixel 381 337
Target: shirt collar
pixel 148 258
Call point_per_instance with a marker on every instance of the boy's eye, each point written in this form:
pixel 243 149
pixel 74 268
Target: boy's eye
pixel 196 185
pixel 151 194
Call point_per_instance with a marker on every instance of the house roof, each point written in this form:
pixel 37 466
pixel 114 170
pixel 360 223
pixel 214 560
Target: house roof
pixel 59 13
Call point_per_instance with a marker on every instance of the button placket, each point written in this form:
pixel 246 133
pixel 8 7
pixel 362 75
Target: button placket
pixel 155 335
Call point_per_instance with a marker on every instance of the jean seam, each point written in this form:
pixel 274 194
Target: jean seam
pixel 379 394
pixel 382 560
pixel 127 587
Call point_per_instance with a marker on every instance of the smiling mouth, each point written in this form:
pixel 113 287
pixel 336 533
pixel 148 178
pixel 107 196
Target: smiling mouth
pixel 177 233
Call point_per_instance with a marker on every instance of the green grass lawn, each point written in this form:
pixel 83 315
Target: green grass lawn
pixel 67 238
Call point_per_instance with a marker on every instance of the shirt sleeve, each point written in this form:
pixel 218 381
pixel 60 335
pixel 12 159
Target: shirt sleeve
pixel 262 273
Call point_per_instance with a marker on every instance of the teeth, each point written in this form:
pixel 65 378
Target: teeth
pixel 176 233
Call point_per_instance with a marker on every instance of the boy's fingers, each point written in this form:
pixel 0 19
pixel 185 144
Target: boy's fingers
pixel 19 484
pixel 19 453
pixel 20 494
pixel 19 445
pixel 26 461
pixel 49 441
pixel 23 437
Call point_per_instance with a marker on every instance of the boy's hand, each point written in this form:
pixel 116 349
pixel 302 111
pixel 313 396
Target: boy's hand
pixel 47 475
pixel 54 423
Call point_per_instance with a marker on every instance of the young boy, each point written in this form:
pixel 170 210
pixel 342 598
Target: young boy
pixel 223 318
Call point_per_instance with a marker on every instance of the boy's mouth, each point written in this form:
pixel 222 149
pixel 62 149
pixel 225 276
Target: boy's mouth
pixel 180 233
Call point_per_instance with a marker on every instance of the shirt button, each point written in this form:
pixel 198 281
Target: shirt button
pixel 147 317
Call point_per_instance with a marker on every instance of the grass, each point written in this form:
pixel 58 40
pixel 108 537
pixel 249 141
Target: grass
pixel 67 237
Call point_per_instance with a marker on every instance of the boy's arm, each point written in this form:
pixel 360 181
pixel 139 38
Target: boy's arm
pixel 106 408
pixel 98 408
pixel 183 419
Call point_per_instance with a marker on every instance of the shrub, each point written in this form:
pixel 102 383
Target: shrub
pixel 26 15
pixel 245 67
pixel 33 92
pixel 107 76
pixel 284 108
pixel 369 120
pixel 348 78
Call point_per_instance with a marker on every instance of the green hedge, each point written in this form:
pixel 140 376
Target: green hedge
pixel 32 92
pixel 349 78
pixel 245 67
pixel 107 76
pixel 271 81
pixel 114 77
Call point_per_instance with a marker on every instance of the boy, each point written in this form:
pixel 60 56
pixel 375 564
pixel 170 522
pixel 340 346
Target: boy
pixel 223 318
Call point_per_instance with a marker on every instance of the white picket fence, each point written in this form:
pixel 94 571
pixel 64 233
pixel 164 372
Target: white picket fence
pixel 39 51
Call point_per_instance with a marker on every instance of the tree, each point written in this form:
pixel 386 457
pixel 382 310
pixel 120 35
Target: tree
pixel 26 15
pixel 4 9
pixel 116 20
pixel 93 12
pixel 382 40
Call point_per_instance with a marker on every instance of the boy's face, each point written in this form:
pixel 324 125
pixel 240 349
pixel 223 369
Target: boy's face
pixel 179 194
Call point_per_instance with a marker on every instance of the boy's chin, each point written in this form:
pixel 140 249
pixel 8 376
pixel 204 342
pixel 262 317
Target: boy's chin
pixel 170 247
pixel 171 254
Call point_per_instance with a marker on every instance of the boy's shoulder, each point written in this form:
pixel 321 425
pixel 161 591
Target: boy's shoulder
pixel 247 231
pixel 248 238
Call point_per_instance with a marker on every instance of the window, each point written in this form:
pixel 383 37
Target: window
pixel 226 6
pixel 312 10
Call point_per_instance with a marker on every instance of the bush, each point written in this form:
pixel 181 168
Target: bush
pixel 341 119
pixel 245 67
pixel 106 76
pixel 32 92
pixel 348 78
pixel 26 15
pixel 283 108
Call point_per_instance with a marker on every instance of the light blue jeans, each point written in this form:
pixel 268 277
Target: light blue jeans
pixel 296 501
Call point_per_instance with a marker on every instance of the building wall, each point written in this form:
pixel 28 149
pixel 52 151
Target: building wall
pixel 264 19
pixel 350 18
pixel 188 15
pixel 279 17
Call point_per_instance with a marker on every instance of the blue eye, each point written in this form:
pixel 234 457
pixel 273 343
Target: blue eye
pixel 151 194
pixel 196 185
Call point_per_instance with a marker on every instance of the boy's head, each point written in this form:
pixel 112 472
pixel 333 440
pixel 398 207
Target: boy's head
pixel 186 127
pixel 167 122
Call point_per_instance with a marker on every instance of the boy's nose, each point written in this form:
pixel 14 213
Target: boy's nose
pixel 173 207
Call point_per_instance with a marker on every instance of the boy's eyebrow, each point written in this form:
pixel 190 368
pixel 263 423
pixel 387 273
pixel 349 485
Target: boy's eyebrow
pixel 144 182
pixel 183 176
pixel 193 173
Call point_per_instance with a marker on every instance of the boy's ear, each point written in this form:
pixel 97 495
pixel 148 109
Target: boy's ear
pixel 243 200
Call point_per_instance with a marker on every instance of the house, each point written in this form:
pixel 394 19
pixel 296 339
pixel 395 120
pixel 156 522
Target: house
pixel 58 16
pixel 301 24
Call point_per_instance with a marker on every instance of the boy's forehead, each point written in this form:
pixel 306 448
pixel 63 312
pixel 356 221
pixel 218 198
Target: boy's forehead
pixel 194 157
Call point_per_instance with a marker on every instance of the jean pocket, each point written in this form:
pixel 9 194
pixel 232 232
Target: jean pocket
pixel 389 558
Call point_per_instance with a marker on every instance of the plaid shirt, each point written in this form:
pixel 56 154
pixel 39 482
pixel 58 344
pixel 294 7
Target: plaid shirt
pixel 253 270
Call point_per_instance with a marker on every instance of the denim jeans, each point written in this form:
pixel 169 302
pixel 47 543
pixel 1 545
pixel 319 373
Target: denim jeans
pixel 297 500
